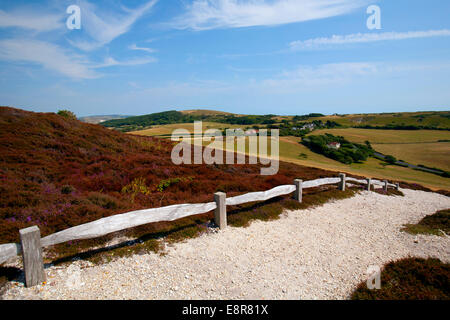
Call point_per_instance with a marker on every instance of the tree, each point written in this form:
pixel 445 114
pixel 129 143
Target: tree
pixel 390 159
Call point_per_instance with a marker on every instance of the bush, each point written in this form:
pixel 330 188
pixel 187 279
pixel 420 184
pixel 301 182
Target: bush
pixel 137 186
pixel 67 114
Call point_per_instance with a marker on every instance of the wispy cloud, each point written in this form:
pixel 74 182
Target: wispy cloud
pixel 135 47
pixel 105 27
pixel 111 62
pixel 211 14
pixel 99 27
pixel 365 37
pixel 33 20
pixel 50 56
pixel 326 74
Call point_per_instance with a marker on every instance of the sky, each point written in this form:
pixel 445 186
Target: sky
pixel 287 57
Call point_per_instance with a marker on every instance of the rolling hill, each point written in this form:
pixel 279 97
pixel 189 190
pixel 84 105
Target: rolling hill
pixel 57 172
pixel 398 121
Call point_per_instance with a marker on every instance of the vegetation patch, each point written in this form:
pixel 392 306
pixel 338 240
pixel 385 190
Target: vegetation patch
pixel 437 224
pixel 338 148
pixel 410 279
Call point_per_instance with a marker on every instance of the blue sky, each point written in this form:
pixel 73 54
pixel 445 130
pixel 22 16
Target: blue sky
pixel 242 56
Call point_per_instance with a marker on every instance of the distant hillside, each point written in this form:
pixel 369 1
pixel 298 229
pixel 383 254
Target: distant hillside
pixel 57 172
pixel 402 120
pixel 172 117
pixel 99 119
pixel 288 124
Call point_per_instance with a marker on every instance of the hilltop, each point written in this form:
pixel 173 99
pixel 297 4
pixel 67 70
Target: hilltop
pixel 202 112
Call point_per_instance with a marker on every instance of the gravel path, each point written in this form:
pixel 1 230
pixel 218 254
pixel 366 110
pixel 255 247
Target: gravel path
pixel 320 253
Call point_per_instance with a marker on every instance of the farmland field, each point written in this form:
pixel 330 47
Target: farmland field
pixel 290 150
pixel 166 130
pixel 388 136
pixel 417 147
pixel 431 119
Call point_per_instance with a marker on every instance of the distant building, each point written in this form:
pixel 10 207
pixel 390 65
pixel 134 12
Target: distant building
pixel 334 145
pixel 309 126
pixel 252 132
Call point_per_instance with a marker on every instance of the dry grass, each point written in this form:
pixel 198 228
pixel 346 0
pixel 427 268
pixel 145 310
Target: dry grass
pixel 388 136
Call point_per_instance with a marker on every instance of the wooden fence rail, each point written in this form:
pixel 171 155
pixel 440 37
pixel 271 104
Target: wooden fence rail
pixel 32 252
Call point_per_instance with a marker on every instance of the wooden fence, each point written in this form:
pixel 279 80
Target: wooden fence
pixel 31 243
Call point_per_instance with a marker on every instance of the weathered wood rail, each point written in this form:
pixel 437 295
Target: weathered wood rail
pixel 31 249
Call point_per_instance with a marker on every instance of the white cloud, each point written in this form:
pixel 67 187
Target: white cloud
pixel 31 20
pixel 48 55
pixel 107 26
pixel 210 14
pixel 135 47
pixel 366 37
pixel 111 62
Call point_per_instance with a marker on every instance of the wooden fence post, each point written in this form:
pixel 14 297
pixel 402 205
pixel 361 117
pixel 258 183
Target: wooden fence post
pixel 397 186
pixel 220 215
pixel 342 183
pixel 369 183
pixel 298 194
pixel 33 263
pixel 385 185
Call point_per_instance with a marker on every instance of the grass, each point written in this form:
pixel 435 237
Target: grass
pixel 429 154
pixel 410 279
pixel 432 224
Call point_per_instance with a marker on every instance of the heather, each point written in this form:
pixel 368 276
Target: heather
pixel 57 172
pixel 410 279
pixel 437 223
